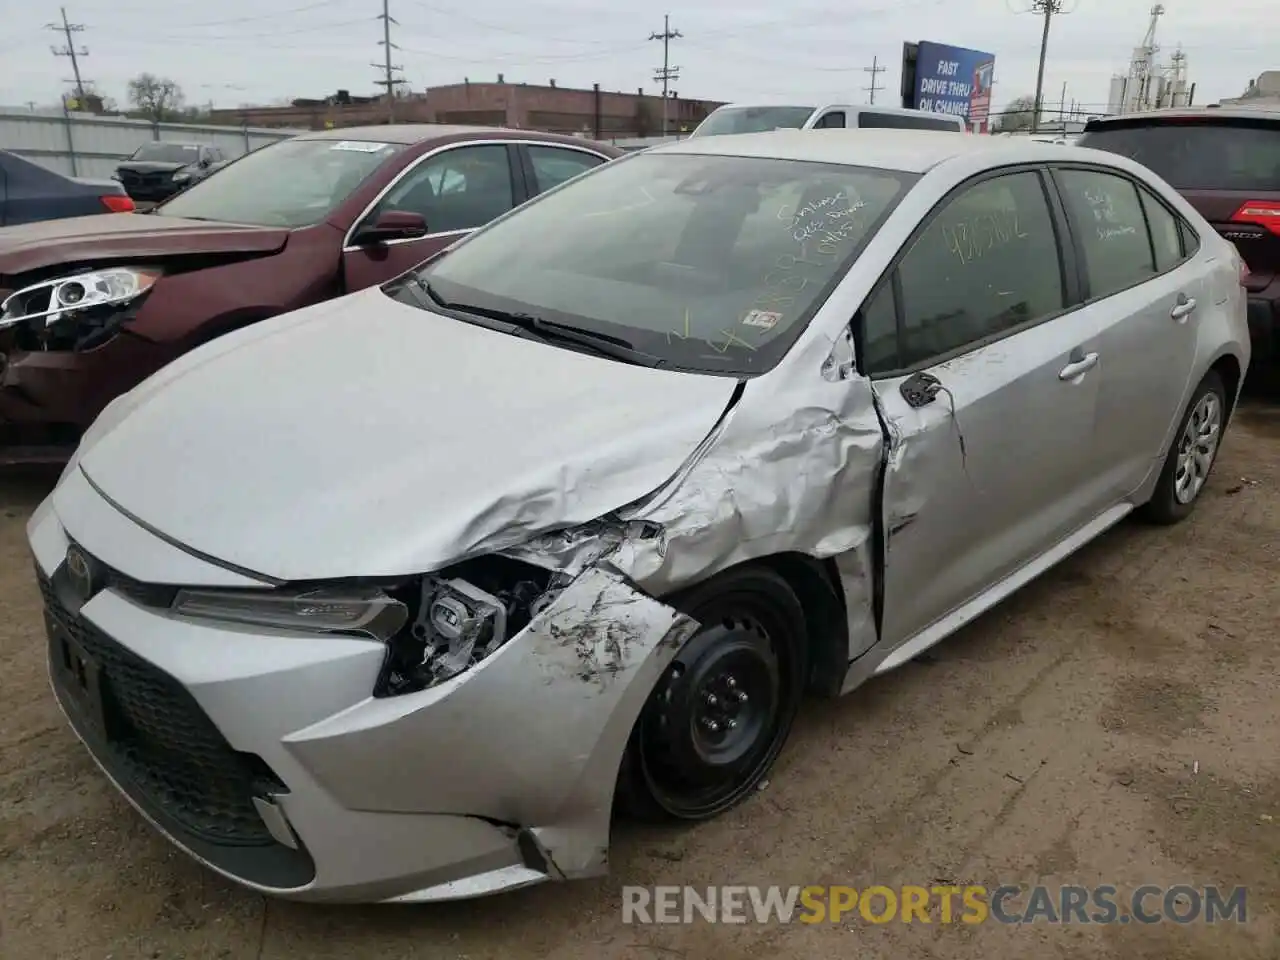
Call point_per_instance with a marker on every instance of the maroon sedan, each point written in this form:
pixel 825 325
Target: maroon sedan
pixel 93 305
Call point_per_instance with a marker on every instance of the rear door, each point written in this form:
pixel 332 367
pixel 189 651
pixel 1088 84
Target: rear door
pixel 1143 283
pixel 456 190
pixel 989 466
pixel 877 120
pixel 1227 166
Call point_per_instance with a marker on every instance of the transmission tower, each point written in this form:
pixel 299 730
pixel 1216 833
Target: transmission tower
pixel 668 72
pixel 875 70
pixel 389 70
pixel 67 29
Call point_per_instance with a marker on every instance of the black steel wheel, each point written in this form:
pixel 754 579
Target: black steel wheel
pixel 718 718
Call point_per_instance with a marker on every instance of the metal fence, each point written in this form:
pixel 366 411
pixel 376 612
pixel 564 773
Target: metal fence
pixel 83 145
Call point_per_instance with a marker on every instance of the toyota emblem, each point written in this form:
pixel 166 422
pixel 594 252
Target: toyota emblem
pixel 80 571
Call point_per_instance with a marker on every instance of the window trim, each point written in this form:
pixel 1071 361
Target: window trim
pixel 531 173
pixel 413 164
pixel 1067 266
pixel 1088 298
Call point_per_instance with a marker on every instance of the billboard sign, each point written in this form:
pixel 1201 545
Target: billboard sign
pixel 954 80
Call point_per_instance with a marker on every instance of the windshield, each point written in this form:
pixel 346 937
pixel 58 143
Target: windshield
pixel 752 120
pixel 292 183
pixel 167 152
pixel 708 263
pixel 1199 155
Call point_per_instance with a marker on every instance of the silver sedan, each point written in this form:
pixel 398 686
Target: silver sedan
pixel 403 596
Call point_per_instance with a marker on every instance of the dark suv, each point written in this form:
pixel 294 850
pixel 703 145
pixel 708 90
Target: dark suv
pixel 1226 162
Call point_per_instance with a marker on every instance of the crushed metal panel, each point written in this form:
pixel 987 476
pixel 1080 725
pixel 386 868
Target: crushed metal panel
pixel 557 704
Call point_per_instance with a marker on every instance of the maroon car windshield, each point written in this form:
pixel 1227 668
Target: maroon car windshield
pixel 293 183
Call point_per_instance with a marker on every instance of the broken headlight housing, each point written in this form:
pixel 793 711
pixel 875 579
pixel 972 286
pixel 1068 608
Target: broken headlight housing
pixel 462 616
pixel 435 626
pixel 78 311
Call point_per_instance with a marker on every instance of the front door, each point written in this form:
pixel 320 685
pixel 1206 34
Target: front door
pixel 1149 294
pixel 456 191
pixel 988 384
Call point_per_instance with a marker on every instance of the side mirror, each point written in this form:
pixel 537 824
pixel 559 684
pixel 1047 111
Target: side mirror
pixel 392 225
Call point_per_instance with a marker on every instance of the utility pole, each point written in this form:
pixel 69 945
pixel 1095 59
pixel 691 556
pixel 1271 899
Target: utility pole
pixel 1046 8
pixel 875 70
pixel 389 80
pixel 668 72
pixel 67 29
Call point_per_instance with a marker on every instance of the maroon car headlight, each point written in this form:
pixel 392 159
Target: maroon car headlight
pixel 77 294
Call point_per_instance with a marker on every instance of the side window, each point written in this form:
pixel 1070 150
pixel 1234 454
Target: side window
pixel 880 332
pixel 552 166
pixel 829 120
pixel 1166 237
pixel 459 189
pixel 1112 228
pixel 987 262
pixel 1190 242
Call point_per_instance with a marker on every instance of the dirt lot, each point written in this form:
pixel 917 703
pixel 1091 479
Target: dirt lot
pixel 1115 723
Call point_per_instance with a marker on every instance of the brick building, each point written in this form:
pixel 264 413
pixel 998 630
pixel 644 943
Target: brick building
pixel 601 114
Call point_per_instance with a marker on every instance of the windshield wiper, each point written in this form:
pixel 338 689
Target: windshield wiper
pixel 604 344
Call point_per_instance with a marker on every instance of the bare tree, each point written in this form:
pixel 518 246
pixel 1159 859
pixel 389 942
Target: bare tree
pixel 156 98
pixel 1016 116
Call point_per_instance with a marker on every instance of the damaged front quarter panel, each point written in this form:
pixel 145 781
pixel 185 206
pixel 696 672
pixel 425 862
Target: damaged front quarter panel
pixel 556 704
pixel 792 468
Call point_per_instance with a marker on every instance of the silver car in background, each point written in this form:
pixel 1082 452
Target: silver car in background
pixel 401 596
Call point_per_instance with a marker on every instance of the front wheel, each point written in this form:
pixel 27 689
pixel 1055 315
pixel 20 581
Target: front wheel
pixel 718 718
pixel 1192 455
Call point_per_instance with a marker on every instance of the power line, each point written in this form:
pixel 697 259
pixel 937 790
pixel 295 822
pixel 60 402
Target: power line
pixel 390 80
pixel 668 72
pixel 67 29
pixel 875 70
pixel 1046 8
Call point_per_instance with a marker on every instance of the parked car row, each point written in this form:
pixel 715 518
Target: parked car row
pixel 456 541
pixel 91 306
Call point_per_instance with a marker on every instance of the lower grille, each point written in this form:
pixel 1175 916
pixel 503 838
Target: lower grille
pixel 157 735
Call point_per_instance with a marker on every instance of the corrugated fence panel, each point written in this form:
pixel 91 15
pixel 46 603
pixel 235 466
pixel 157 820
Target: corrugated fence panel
pixel 89 146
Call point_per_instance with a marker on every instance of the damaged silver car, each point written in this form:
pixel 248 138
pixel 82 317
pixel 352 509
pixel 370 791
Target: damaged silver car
pixel 403 596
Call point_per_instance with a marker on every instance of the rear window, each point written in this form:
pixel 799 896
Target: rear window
pixel 1198 155
pixel 868 120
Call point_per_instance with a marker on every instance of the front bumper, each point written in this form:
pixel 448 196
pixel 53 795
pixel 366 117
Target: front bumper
pixel 49 398
pixel 264 755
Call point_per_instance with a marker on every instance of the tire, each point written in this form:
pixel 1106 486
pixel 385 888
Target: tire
pixel 1175 495
pixel 716 721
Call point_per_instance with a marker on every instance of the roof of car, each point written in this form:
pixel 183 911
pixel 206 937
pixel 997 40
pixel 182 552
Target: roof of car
pixel 911 151
pixel 411 133
pixel 1182 113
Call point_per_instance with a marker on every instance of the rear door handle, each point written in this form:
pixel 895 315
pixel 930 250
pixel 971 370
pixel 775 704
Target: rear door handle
pixel 1183 308
pixel 1078 368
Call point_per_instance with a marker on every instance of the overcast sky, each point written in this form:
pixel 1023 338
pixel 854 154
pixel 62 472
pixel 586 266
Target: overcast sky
pixel 256 51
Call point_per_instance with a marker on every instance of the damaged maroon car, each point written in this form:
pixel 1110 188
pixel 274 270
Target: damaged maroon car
pixel 91 306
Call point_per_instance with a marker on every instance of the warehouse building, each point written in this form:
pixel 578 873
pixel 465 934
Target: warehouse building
pixel 597 113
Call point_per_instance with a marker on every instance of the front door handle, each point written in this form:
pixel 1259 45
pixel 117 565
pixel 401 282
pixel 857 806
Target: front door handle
pixel 1183 308
pixel 1078 368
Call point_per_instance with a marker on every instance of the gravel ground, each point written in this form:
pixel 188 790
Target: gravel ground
pixel 1117 722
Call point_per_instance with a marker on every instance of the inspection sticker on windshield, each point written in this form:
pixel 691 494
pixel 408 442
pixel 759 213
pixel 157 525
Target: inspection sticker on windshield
pixel 764 319
pixel 358 146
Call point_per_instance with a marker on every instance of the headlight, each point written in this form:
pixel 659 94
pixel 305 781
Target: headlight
pixel 180 176
pixel 359 610
pixel 70 295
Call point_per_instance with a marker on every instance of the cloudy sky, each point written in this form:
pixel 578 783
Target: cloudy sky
pixel 257 51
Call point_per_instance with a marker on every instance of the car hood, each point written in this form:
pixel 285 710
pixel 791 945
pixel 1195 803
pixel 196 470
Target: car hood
pixel 365 437
pixel 34 246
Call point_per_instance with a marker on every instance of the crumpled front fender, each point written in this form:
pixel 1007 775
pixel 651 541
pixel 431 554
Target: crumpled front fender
pixel 532 737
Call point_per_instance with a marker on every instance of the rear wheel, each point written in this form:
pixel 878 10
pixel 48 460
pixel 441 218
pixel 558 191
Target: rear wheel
pixel 718 718
pixel 1192 455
